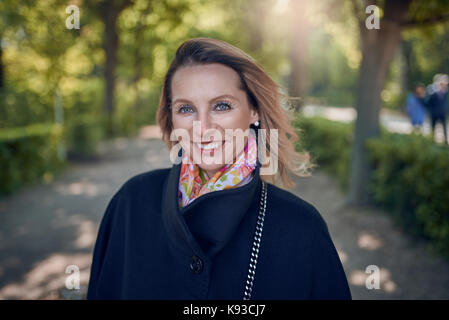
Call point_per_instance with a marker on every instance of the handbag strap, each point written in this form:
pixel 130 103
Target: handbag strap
pixel 256 244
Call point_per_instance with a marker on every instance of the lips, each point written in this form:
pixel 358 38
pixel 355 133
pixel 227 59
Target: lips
pixel 209 146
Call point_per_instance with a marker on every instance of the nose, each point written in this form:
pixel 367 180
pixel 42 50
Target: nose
pixel 206 123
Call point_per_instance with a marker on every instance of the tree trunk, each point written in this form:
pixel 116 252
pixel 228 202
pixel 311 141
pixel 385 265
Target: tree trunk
pixel 252 22
pixel 298 43
pixel 111 12
pixel 139 57
pixel 406 56
pixel 378 49
pixel 2 72
pixel 110 49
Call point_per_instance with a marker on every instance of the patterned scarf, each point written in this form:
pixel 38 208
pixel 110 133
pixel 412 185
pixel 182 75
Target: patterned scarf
pixel 193 181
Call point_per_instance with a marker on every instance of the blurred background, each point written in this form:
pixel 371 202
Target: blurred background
pixel 79 89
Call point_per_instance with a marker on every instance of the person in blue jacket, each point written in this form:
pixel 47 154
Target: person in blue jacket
pixel 202 229
pixel 415 106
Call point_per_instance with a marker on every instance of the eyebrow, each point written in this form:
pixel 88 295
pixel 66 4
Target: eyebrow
pixel 211 100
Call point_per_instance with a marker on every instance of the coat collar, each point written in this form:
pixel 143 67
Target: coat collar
pixel 207 224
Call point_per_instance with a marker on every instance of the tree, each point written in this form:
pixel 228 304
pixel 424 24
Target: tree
pixel 9 18
pixel 378 47
pixel 109 12
pixel 298 41
pixel 2 73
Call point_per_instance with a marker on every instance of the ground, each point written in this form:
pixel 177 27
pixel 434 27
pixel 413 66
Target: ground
pixel 45 229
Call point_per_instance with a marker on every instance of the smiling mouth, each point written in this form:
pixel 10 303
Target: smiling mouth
pixel 209 146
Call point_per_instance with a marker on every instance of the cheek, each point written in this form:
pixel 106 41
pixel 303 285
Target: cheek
pixel 183 130
pixel 237 120
pixel 181 122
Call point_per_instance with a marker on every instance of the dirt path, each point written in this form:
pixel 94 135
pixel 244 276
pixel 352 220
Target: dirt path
pixel 366 236
pixel 46 228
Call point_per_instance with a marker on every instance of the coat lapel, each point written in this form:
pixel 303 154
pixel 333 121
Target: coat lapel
pixel 207 224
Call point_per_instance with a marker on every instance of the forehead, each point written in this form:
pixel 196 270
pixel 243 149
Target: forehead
pixel 205 81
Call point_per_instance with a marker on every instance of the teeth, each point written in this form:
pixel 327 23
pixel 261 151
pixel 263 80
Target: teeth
pixel 208 146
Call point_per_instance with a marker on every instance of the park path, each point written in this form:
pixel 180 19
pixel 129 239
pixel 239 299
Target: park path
pixel 392 120
pixel 46 228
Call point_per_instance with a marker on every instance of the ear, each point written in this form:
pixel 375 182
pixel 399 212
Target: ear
pixel 254 116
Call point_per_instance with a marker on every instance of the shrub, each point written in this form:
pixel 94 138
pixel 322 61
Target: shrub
pixel 328 143
pixel 83 135
pixel 29 154
pixel 412 181
pixel 410 176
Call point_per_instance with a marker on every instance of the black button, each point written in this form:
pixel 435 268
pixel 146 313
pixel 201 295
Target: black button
pixel 196 264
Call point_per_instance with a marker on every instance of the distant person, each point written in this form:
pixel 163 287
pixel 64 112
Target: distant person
pixel 415 106
pixel 433 87
pixel 437 103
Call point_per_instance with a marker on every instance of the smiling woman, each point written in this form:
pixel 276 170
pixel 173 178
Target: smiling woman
pixel 202 228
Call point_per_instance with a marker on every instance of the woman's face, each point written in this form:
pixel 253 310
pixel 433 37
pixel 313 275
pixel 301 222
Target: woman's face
pixel 210 94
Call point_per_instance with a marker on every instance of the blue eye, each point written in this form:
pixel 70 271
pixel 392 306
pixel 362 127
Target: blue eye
pixel 185 109
pixel 223 106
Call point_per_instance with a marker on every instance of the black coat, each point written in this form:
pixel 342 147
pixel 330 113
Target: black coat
pixel 149 249
pixel 437 104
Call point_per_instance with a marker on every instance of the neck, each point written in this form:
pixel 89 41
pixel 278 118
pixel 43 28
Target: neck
pixel 210 173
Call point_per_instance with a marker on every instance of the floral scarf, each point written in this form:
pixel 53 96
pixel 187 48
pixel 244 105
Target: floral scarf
pixel 193 181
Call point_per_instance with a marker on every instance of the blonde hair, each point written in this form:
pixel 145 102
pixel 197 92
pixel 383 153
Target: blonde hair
pixel 263 94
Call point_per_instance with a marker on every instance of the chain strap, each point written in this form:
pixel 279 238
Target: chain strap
pixel 256 244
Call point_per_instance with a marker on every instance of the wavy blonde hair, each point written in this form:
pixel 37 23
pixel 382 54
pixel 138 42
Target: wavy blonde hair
pixel 263 94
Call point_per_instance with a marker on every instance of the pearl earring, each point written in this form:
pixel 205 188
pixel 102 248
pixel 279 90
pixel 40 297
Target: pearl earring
pixel 256 123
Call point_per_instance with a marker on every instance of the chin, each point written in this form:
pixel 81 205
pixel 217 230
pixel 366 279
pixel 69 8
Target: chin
pixel 211 167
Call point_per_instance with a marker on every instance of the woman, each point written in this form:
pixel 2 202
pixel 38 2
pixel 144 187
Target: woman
pixel 217 229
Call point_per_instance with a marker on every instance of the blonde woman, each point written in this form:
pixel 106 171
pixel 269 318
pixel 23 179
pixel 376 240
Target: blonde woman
pixel 215 225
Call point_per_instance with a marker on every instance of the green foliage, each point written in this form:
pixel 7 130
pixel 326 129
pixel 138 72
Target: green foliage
pixel 326 67
pixel 29 154
pixel 410 176
pixel 328 143
pixel 83 134
pixel 428 52
pixel 411 180
pixel 20 107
